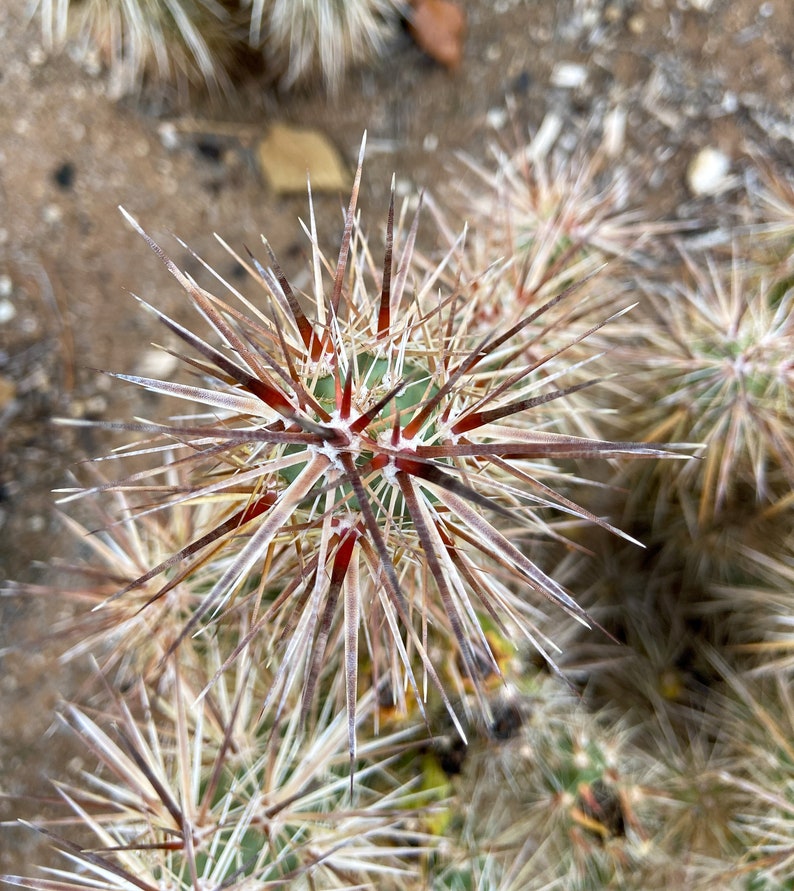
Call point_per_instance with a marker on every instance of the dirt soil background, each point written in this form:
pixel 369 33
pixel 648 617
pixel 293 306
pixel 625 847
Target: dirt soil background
pixel 688 74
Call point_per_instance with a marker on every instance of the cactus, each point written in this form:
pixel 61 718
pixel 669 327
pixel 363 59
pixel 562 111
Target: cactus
pixel 202 42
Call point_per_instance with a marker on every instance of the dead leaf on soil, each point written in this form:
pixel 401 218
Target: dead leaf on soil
pixel 286 153
pixel 7 391
pixel 438 27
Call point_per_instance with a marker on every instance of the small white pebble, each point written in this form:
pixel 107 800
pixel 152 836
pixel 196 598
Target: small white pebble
pixel 430 142
pixel 52 214
pixel 568 75
pixel 637 25
pixel 707 173
pixel 7 311
pixel 544 139
pixel 493 52
pixel 169 136
pixel 730 102
pixel 497 118
pixel 36 56
pixel 157 363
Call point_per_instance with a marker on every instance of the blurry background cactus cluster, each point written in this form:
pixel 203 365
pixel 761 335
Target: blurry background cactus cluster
pixel 192 41
pixel 639 150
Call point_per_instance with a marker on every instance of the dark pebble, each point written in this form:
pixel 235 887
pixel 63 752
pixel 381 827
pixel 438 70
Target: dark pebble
pixel 64 175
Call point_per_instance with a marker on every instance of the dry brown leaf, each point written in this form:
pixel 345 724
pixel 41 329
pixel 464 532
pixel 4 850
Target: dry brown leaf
pixel 287 153
pixel 7 391
pixel 438 27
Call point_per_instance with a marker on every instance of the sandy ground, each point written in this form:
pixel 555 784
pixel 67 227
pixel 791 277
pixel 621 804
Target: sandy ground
pixel 688 75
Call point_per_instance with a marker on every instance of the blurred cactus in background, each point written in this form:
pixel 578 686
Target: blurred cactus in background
pixel 204 42
pixel 185 799
pixel 724 377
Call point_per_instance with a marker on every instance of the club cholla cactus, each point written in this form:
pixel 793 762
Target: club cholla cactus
pixel 569 800
pixel 197 41
pixel 130 636
pixel 754 719
pixel 182 802
pixel 179 41
pixel 561 214
pixel 755 606
pixel 374 471
pixel 557 215
pixel 328 35
pixel 719 366
pixel 773 224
